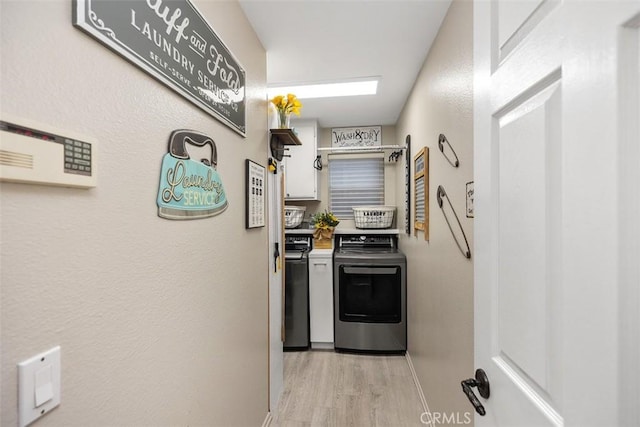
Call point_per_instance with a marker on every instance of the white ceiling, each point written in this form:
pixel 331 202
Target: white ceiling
pixel 311 41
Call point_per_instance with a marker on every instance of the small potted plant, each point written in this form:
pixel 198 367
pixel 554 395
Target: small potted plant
pixel 324 224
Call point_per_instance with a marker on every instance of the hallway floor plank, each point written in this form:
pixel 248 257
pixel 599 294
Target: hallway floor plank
pixel 326 389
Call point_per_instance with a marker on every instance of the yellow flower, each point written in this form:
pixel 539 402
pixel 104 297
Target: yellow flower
pixel 277 100
pixel 324 220
pixel 287 104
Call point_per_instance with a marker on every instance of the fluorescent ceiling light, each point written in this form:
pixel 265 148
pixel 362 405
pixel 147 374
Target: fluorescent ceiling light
pixel 327 90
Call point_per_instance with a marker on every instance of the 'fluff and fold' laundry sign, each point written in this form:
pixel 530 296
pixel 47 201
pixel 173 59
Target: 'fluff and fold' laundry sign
pixel 175 44
pixel 190 189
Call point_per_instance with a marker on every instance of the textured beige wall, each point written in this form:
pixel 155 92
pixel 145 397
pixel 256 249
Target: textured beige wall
pixel 160 322
pixel 440 279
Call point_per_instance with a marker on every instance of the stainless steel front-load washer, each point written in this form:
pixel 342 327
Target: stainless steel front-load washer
pixel 370 294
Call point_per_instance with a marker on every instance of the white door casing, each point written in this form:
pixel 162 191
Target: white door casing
pixel 629 227
pixel 547 138
pixel 275 224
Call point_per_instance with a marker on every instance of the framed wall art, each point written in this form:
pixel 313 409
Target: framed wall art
pixel 421 192
pixel 256 194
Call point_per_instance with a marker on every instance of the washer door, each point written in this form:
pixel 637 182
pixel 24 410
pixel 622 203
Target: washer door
pixel 370 294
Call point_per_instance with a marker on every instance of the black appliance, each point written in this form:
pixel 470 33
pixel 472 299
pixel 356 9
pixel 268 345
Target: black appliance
pixel 296 292
pixel 370 294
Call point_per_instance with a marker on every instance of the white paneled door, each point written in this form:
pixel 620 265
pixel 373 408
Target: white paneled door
pixel 554 82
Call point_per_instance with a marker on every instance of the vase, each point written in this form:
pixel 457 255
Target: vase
pixel 284 120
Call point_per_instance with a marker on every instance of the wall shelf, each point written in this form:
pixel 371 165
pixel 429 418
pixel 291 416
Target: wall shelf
pixel 281 138
pixel 371 149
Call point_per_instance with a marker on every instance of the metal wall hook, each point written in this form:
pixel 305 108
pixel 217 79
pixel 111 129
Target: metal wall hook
pixel 441 140
pixel 440 195
pixel 395 155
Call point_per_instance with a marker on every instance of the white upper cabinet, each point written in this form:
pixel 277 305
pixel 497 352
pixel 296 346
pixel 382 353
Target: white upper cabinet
pixel 301 177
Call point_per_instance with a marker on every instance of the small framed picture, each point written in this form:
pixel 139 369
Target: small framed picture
pixel 470 199
pixel 256 194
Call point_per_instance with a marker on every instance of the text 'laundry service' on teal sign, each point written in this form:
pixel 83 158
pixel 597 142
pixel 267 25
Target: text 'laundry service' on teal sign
pixel 190 189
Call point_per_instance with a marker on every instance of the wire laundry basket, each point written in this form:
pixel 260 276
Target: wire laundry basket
pixel 373 216
pixel 293 216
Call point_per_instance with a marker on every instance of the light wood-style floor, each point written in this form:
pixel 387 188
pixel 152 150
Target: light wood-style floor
pixel 326 389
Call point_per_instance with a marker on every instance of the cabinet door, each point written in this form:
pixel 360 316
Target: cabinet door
pixel 301 176
pixel 321 298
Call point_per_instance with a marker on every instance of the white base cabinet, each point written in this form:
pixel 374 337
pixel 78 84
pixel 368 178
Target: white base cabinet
pixel 321 298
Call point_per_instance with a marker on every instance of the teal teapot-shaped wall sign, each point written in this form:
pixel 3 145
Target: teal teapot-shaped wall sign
pixel 190 189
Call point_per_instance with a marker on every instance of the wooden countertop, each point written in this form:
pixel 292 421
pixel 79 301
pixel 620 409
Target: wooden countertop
pixel 345 231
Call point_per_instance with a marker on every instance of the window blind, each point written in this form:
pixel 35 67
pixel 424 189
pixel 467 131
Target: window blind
pixel 355 182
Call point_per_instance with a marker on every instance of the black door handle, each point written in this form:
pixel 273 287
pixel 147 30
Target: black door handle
pixel 482 382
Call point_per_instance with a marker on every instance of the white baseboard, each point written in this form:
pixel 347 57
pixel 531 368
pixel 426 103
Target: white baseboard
pixel 322 346
pixel 416 381
pixel 267 420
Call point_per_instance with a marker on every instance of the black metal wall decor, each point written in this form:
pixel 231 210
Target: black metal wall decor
pixel 442 194
pixel 407 186
pixel 453 161
pixel 175 44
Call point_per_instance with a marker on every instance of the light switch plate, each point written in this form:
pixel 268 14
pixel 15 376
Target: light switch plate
pixel 38 385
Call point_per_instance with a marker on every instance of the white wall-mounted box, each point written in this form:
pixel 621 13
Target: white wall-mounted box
pixel 34 154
